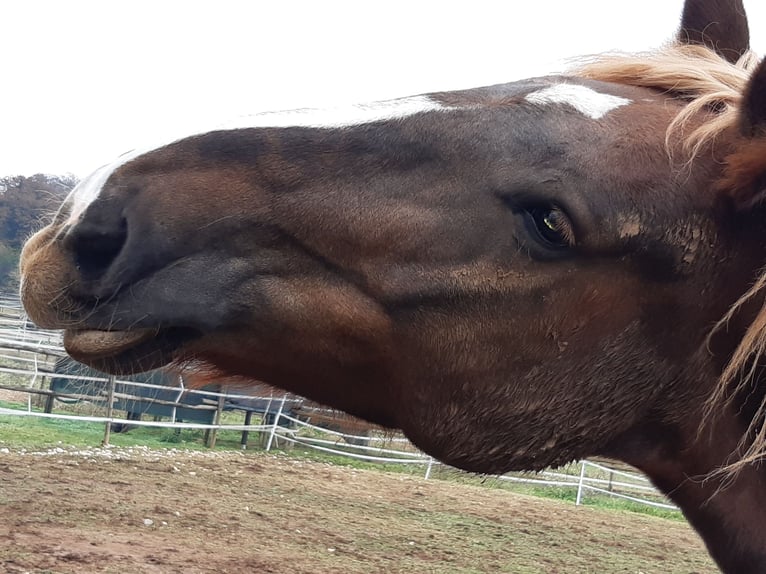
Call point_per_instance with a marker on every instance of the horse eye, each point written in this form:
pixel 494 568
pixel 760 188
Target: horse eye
pixel 550 226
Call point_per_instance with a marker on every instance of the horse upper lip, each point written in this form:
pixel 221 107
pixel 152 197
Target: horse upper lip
pixel 94 344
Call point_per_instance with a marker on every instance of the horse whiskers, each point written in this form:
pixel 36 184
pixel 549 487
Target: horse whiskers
pixel 219 220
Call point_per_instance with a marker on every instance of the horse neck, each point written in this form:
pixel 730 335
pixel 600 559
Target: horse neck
pixel 685 460
pixel 730 518
pixel 727 510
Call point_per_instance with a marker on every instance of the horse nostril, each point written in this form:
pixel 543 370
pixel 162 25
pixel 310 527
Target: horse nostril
pixel 96 246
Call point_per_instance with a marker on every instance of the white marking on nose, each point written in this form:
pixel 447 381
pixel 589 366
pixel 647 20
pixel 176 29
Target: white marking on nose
pixel 341 116
pixel 88 190
pixel 585 100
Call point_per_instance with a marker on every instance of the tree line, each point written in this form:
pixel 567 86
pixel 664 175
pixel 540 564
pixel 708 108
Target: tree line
pixel 26 203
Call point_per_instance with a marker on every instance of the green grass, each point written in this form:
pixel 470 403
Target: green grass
pixel 39 432
pixel 33 432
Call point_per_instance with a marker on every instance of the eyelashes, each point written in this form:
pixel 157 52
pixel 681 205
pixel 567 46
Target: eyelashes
pixel 549 226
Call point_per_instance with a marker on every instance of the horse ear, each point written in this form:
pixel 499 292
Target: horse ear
pixel 721 25
pixel 753 110
pixel 745 172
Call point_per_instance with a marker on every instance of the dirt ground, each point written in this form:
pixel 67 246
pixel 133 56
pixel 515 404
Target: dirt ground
pixel 134 510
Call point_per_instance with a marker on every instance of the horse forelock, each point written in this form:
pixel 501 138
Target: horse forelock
pixel 695 75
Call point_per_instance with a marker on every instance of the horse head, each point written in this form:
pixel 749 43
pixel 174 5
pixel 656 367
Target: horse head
pixel 516 276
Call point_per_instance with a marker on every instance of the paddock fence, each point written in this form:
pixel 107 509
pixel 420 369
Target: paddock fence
pixel 28 368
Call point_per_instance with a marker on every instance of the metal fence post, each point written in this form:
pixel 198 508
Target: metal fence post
pixel 276 424
pixel 580 483
pixel 109 412
pixel 429 467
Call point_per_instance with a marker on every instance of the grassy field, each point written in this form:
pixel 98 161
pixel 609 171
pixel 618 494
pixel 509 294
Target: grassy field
pixel 33 432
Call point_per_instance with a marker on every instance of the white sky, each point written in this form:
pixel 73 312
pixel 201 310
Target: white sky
pixel 86 81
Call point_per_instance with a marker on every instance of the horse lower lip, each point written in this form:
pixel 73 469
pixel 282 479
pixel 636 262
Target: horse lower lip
pixel 96 344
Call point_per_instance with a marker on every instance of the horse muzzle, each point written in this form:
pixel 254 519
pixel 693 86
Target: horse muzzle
pixel 66 284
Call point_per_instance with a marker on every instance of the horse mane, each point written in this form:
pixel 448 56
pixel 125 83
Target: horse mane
pixel 708 83
pixel 711 86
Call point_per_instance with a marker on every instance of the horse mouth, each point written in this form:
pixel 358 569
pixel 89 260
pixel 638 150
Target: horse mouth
pixel 127 352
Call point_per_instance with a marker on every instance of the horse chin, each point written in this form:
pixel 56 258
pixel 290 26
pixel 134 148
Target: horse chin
pixel 127 352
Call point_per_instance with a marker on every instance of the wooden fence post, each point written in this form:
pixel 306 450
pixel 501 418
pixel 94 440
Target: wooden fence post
pixel 216 421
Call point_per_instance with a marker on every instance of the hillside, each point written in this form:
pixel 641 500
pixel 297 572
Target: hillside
pixel 25 203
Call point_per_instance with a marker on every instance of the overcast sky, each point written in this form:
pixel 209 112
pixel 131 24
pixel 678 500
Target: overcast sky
pixel 86 81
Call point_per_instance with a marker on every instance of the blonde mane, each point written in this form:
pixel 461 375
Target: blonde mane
pixel 707 82
pixel 712 86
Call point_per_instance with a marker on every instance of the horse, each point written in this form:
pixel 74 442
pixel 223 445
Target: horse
pixel 516 276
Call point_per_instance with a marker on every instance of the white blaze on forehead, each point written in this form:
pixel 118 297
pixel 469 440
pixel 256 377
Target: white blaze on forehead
pixel 88 190
pixel 585 100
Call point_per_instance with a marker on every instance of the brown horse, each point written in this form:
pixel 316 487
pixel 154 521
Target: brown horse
pixel 517 276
